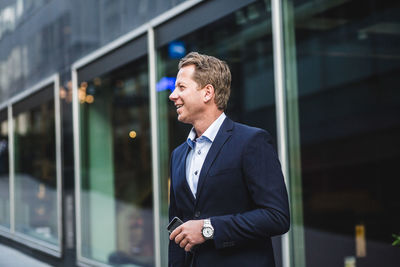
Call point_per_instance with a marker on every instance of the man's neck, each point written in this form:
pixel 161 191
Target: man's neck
pixel 202 125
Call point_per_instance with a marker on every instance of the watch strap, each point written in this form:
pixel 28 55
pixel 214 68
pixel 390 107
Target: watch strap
pixel 207 223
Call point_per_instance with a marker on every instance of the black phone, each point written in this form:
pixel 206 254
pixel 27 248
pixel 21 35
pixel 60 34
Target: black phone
pixel 173 224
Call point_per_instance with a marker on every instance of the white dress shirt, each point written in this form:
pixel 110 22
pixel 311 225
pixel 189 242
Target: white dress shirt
pixel 199 150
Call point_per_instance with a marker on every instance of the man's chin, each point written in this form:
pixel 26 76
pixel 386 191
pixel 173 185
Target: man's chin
pixel 183 119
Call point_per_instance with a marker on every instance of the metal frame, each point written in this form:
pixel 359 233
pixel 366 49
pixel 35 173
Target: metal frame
pixel 3 105
pixel 280 100
pixel 5 232
pixel 77 162
pixel 11 168
pixel 154 141
pixel 57 110
pixel 85 262
pixel 55 250
pixel 134 34
pixel 173 12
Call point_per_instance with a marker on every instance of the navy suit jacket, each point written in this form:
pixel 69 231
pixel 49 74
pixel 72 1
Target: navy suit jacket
pixel 241 188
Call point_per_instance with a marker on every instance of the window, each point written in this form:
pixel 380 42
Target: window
pixel 347 56
pixel 116 210
pixel 243 39
pixel 4 171
pixel 36 210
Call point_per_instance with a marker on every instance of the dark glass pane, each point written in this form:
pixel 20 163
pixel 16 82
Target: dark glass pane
pixel 116 167
pixel 4 171
pixel 242 39
pixel 36 212
pixel 348 60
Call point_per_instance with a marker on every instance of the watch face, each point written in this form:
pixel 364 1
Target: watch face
pixel 207 232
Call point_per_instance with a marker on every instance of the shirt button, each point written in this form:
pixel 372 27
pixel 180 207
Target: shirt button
pixel 196 172
pixel 197 214
pixel 199 152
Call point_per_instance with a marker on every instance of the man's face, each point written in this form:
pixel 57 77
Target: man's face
pixel 187 96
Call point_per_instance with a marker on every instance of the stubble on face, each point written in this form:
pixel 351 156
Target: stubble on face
pixel 187 96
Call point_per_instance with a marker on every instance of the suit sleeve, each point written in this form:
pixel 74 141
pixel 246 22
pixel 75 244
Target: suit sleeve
pixel 176 255
pixel 264 180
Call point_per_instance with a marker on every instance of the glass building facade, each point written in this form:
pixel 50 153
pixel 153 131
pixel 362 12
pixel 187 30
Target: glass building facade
pixel 86 126
pixel 35 173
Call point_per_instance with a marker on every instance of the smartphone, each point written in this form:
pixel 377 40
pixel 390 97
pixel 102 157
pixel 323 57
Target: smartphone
pixel 173 224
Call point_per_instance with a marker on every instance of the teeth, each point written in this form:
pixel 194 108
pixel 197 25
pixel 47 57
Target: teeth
pixel 178 106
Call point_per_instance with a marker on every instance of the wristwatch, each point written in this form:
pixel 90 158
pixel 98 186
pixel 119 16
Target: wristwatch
pixel 208 230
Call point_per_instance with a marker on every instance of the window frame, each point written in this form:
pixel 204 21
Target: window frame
pixel 28 95
pixel 116 54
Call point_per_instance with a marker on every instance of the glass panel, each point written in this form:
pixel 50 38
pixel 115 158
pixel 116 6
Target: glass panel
pixel 35 172
pixel 116 170
pixel 75 29
pixel 243 39
pixel 4 172
pixel 348 60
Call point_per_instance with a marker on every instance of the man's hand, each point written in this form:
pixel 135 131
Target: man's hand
pixel 188 234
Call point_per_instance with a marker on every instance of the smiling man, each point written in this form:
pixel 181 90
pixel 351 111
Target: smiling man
pixel 226 181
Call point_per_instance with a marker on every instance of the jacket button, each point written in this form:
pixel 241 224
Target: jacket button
pixel 197 214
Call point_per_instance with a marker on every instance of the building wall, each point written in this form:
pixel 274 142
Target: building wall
pixel 116 127
pixel 38 38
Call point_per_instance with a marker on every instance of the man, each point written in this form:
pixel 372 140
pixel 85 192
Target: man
pixel 226 181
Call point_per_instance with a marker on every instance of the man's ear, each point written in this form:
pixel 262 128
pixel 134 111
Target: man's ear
pixel 209 93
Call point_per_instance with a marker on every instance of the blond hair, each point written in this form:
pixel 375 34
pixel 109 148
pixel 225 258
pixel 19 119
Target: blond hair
pixel 210 70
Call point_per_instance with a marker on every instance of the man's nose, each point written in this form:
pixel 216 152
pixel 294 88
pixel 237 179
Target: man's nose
pixel 173 95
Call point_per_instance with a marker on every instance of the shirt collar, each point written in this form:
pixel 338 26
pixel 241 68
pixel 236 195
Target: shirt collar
pixel 209 134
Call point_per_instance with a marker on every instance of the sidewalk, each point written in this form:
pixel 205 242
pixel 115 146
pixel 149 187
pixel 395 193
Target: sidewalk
pixel 10 257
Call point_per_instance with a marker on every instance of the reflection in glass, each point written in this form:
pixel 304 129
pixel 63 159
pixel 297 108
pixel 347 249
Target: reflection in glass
pixel 116 187
pixel 35 169
pixel 75 29
pixel 4 171
pixel 243 39
pixel 348 60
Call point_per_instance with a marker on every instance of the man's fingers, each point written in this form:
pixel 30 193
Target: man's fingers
pixel 179 238
pixel 175 233
pixel 183 243
pixel 188 234
pixel 188 247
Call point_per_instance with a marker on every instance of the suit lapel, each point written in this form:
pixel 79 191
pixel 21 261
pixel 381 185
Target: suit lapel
pixel 182 174
pixel 223 135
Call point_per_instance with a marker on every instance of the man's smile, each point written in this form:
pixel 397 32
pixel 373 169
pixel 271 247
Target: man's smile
pixel 178 107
